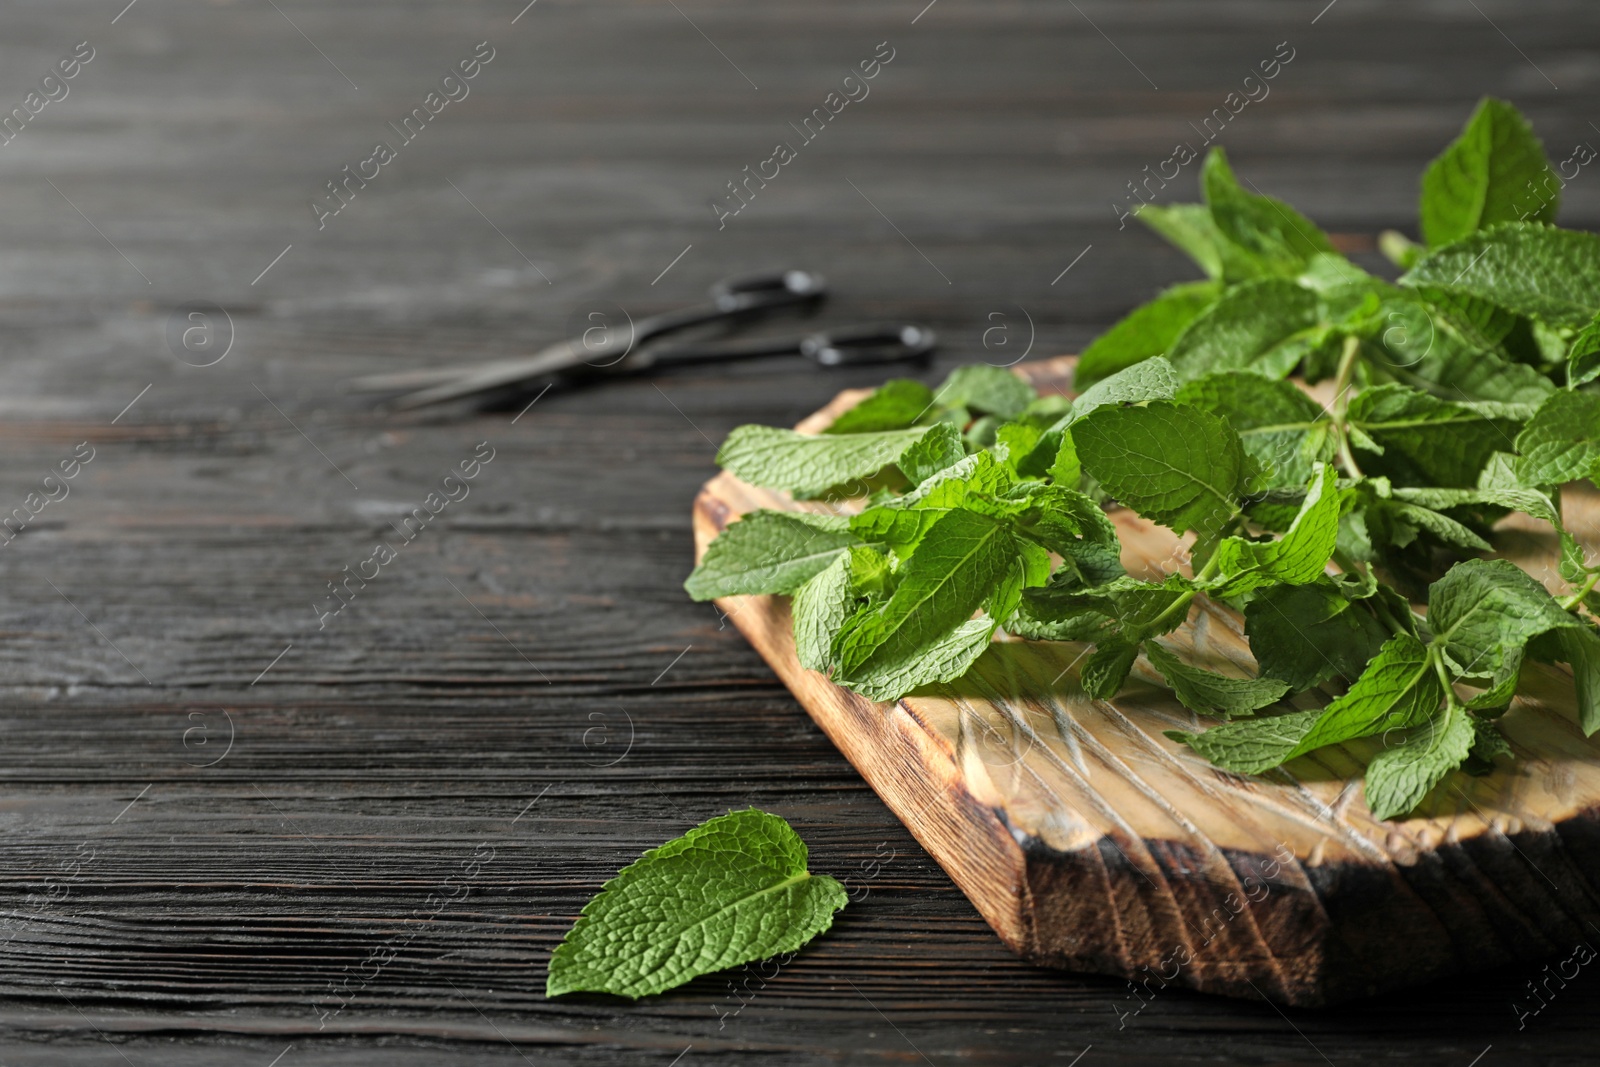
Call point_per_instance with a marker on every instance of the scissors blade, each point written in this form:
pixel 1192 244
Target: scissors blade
pixel 564 355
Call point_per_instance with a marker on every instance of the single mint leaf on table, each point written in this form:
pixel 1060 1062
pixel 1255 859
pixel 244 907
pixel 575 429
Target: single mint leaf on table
pixel 1210 693
pixel 1173 464
pixel 894 405
pixel 1547 273
pixel 1256 326
pixel 769 552
pixel 1484 612
pixel 732 890
pixel 1275 234
pixel 1398 778
pixel 1561 442
pixel 809 464
pixel 1148 330
pixel 1495 171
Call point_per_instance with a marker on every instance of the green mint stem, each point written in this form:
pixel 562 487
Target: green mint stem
pixel 1341 404
pixel 1571 603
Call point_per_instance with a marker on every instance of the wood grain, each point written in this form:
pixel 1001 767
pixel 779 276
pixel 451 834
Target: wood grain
pixel 1091 841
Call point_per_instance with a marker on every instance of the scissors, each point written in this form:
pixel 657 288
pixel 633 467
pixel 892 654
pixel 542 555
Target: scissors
pixel 603 351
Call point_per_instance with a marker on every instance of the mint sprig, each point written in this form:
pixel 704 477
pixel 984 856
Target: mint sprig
pixel 1467 389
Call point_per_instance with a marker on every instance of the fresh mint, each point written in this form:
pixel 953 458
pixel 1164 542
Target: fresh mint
pixel 732 890
pixel 1350 531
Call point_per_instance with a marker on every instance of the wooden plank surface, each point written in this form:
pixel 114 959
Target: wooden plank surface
pixel 232 908
pixel 1091 841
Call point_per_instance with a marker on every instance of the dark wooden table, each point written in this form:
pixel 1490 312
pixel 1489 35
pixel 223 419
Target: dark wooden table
pixel 228 821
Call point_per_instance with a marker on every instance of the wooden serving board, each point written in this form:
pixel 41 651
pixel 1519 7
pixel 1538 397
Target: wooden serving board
pixel 1090 841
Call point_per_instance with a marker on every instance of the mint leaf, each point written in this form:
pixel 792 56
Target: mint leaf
pixel 1583 355
pixel 1399 688
pixel 1310 633
pixel 1250 746
pixel 1103 673
pixel 1148 330
pixel 1153 379
pixel 1580 647
pixel 1425 440
pixel 1399 778
pixel 1280 426
pixel 1277 235
pixel 732 890
pixel 1562 441
pixel 1257 326
pixel 894 405
pixel 938 449
pixel 1495 171
pixel 807 464
pixel 1190 228
pixel 1299 557
pixel 1549 274
pixel 985 388
pixel 819 609
pixel 954 569
pixel 1176 465
pixel 1426 339
pixel 768 552
pixel 1210 693
pixel 889 676
pixel 1483 612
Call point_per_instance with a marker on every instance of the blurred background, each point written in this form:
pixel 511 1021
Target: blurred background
pixel 222 810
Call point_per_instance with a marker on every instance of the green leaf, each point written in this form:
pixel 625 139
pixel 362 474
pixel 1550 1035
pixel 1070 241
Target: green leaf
pixel 1190 228
pixel 1483 612
pixel 819 609
pixel 1562 441
pixel 1425 440
pixel 1103 673
pixel 894 405
pixel 954 569
pixel 1583 355
pixel 1580 647
pixel 1424 339
pixel 985 388
pixel 1550 274
pixel 1307 634
pixel 807 464
pixel 769 552
pixel 1398 778
pixel 1148 330
pixel 1280 426
pixel 1173 464
pixel 1399 688
pixel 1270 230
pixel 1153 379
pixel 889 677
pixel 1255 326
pixel 732 890
pixel 1299 557
pixel 938 449
pixel 1495 171
pixel 1210 693
pixel 1250 746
